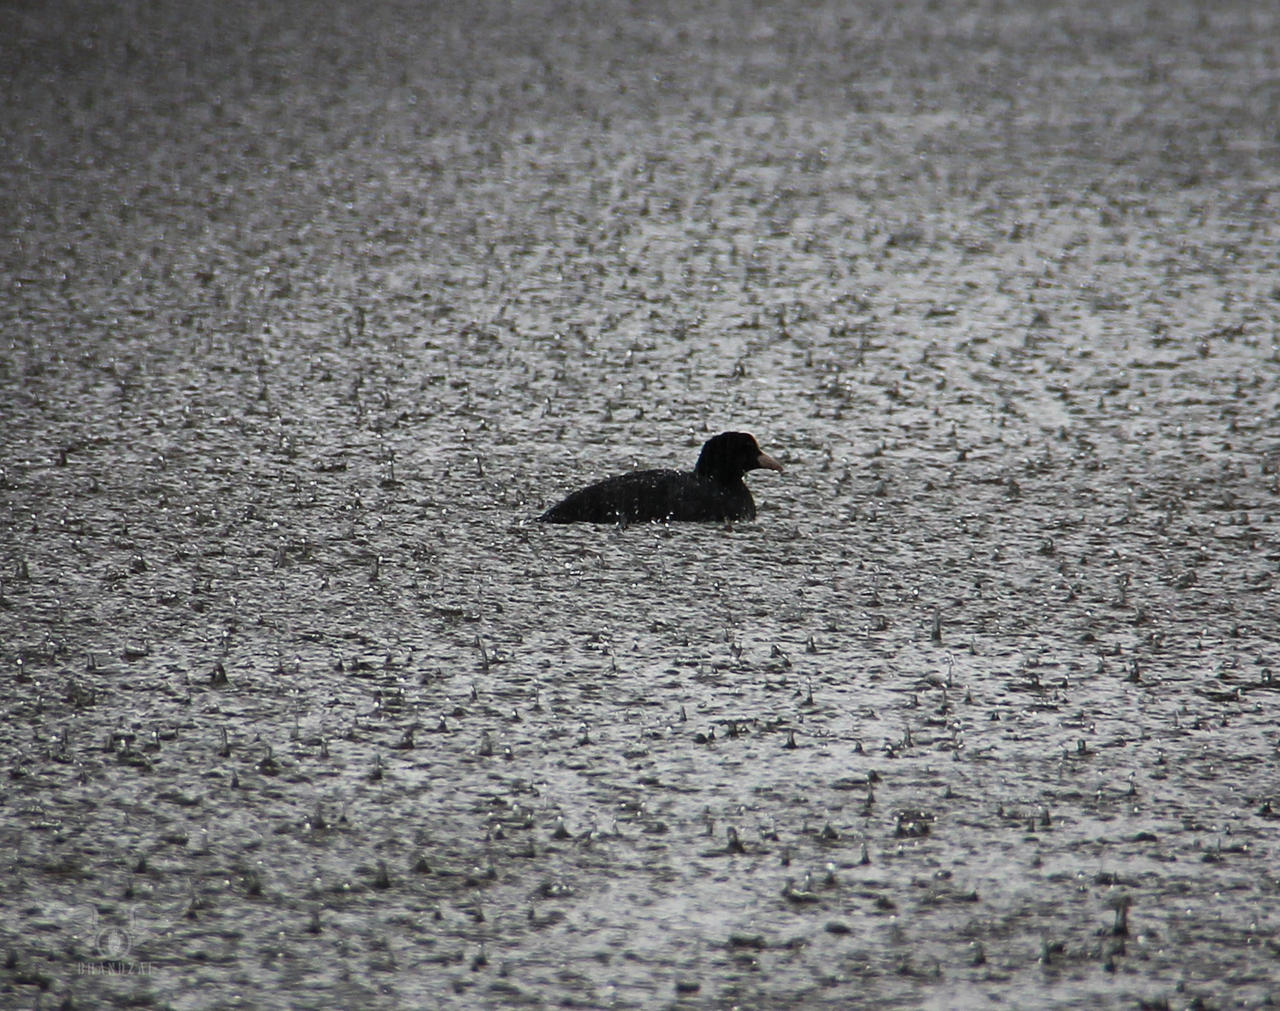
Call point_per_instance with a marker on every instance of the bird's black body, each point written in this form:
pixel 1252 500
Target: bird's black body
pixel 712 491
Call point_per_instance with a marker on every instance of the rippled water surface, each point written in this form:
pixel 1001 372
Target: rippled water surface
pixel 306 318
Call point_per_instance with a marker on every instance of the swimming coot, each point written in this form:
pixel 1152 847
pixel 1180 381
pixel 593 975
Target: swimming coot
pixel 713 490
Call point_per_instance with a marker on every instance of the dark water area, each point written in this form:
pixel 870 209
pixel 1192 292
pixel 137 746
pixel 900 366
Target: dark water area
pixel 310 310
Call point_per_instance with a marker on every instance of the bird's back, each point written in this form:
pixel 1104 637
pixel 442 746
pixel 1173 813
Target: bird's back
pixel 655 495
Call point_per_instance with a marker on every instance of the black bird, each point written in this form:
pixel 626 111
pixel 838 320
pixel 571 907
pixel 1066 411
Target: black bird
pixel 713 490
